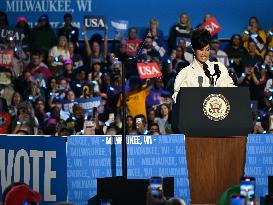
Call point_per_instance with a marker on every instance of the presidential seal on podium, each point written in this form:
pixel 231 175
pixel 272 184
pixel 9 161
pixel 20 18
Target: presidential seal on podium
pixel 216 107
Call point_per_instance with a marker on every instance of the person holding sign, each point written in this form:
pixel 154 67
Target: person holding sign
pixel 94 51
pixel 180 31
pixel 207 18
pixel 201 72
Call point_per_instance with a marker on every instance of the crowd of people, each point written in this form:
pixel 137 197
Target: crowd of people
pixel 53 68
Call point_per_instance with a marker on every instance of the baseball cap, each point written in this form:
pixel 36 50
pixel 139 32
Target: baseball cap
pixel 68 61
pixel 21 193
pixel 21 19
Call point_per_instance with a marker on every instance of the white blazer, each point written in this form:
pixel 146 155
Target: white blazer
pixel 188 77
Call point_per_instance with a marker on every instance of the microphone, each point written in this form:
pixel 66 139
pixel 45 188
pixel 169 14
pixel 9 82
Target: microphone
pixel 207 73
pixel 200 81
pixel 217 73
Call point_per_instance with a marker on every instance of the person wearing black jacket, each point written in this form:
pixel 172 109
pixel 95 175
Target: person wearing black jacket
pixel 180 31
pixel 68 30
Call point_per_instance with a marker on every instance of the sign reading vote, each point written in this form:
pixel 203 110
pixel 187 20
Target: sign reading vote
pixel 94 22
pixel 37 161
pixel 148 70
pixel 6 58
pixel 92 157
pixel 212 26
pixel 259 161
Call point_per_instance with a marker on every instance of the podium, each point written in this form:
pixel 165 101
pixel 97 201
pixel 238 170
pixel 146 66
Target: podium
pixel 216 122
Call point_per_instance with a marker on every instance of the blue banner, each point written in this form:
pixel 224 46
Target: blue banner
pixel 259 161
pixel 91 157
pixel 88 104
pixel 163 155
pixel 36 160
pixel 138 13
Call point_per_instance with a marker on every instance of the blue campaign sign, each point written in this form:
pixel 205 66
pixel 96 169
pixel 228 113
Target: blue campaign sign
pixel 138 13
pixel 36 160
pixel 92 157
pixel 163 155
pixel 89 103
pixel 89 158
pixel 259 161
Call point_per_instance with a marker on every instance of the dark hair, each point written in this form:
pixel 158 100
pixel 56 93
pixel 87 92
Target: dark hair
pixel 140 116
pixel 67 15
pixel 153 124
pixel 233 36
pixel 256 19
pixel 5 18
pixel 96 38
pixel 129 116
pixel 4 105
pixel 39 100
pixel 253 17
pixel 12 101
pixel 49 82
pixel 35 53
pixel 132 28
pixel 200 38
pixel 159 110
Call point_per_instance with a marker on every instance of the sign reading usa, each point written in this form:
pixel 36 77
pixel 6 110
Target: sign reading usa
pixel 94 22
pixel 37 161
pixel 212 26
pixel 148 70
pixel 6 58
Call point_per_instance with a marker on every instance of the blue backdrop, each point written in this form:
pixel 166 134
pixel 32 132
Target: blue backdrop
pixel 91 157
pixel 259 161
pixel 232 14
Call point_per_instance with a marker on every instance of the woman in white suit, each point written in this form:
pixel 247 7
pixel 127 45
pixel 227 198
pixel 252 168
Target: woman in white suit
pixel 201 72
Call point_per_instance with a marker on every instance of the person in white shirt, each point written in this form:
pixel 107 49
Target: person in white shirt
pixel 59 53
pixel 201 72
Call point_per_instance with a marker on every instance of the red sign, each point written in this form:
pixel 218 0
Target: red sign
pixel 131 47
pixel 6 58
pixel 212 26
pixel 148 70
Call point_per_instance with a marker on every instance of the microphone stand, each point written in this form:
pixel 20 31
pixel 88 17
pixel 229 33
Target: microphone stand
pixel 124 141
pixel 124 144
